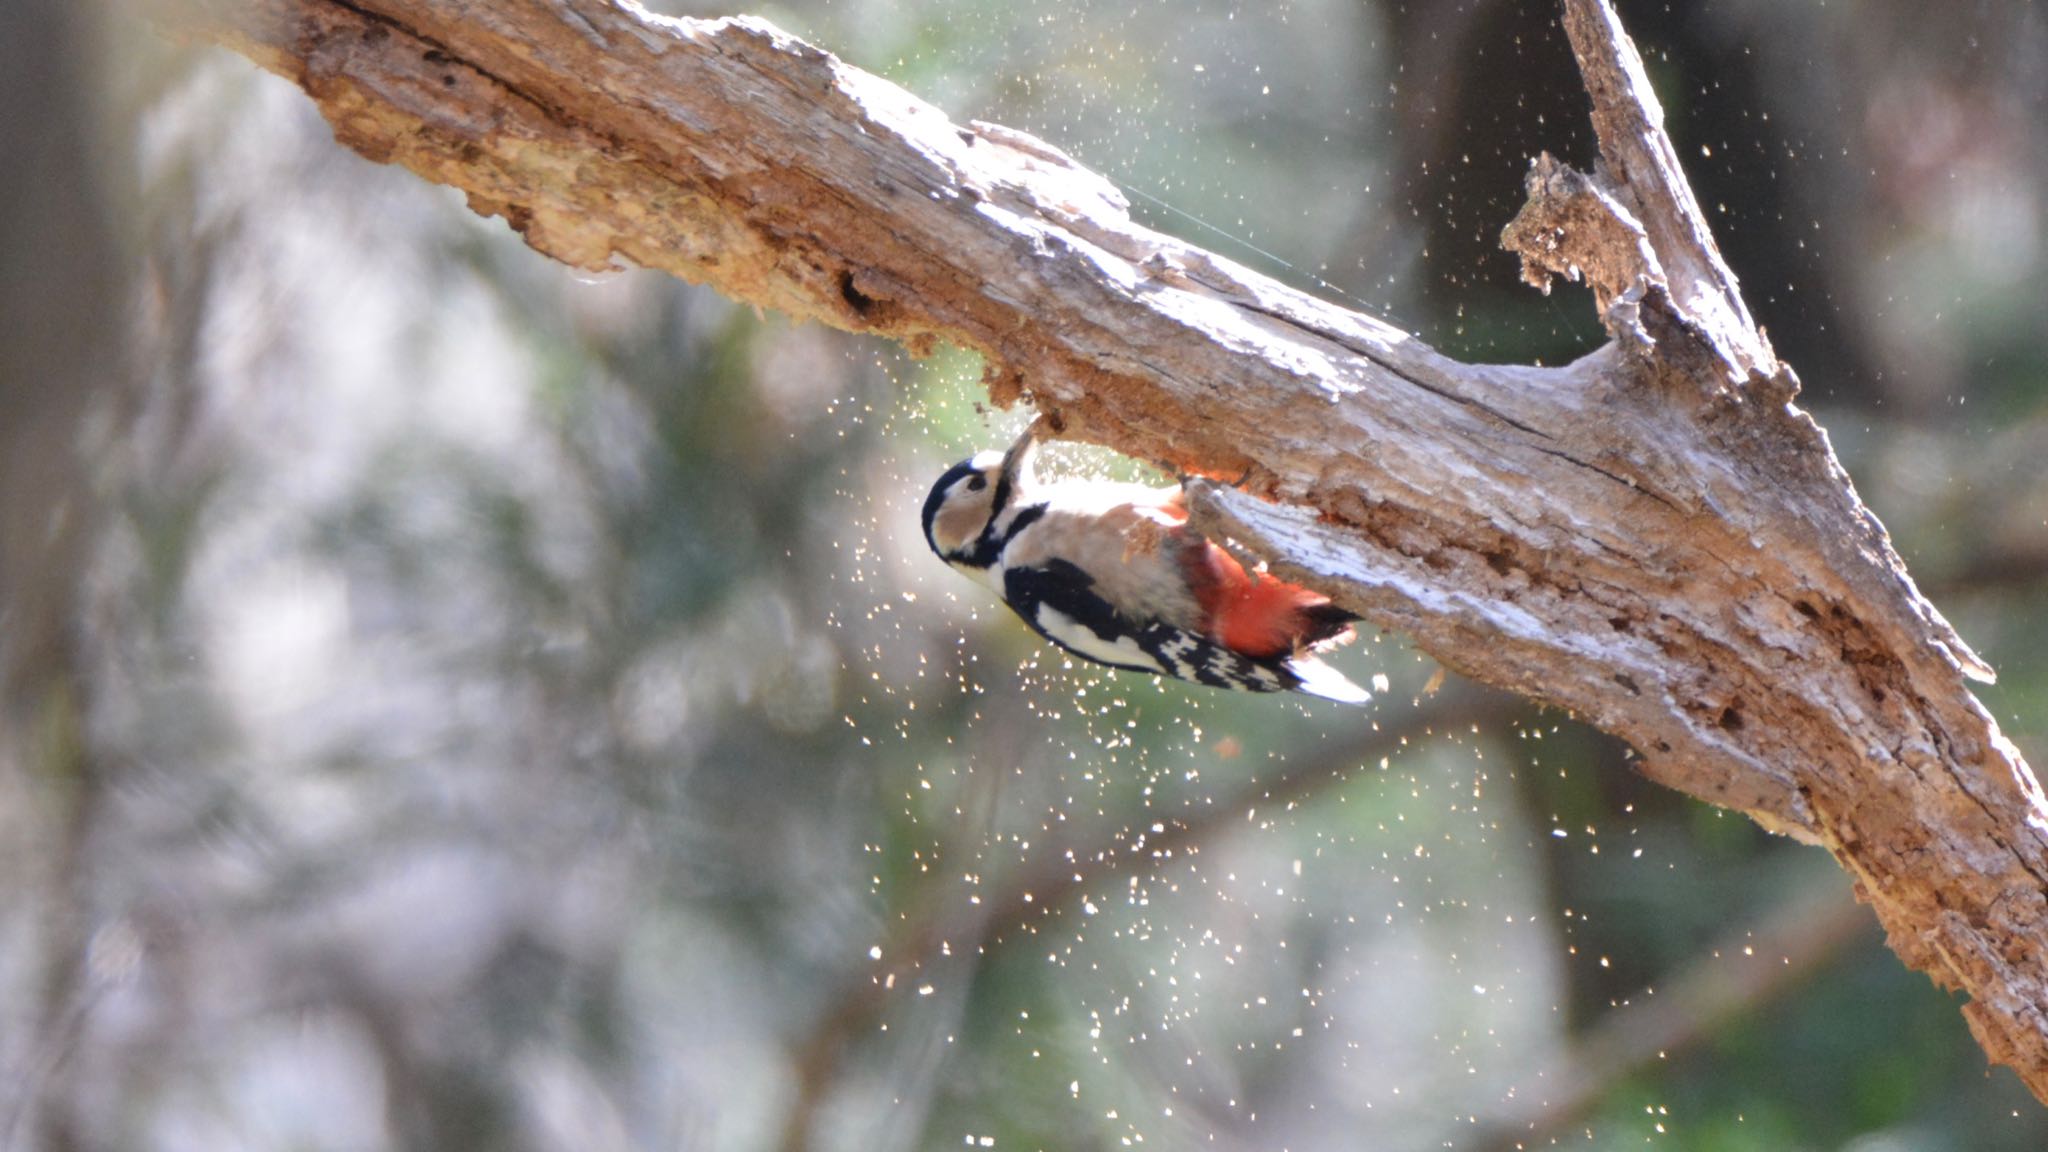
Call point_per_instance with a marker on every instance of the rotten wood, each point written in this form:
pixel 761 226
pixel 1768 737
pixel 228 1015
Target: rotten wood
pixel 1654 537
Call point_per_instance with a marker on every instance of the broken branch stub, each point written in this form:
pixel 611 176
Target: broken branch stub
pixel 1653 537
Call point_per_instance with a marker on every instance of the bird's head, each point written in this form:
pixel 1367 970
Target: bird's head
pixel 961 513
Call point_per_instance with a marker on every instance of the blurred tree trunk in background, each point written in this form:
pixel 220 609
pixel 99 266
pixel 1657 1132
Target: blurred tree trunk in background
pixel 60 358
pixel 61 342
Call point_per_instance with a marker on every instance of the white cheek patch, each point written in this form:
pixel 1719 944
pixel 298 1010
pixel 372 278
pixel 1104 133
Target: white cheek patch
pixel 959 521
pixel 1124 651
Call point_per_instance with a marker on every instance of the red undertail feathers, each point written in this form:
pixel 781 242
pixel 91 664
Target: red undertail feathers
pixel 1260 615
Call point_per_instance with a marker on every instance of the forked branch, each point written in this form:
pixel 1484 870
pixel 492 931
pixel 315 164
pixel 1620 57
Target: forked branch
pixel 1654 537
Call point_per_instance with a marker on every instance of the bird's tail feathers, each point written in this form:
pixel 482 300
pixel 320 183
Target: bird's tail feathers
pixel 1326 624
pixel 1319 679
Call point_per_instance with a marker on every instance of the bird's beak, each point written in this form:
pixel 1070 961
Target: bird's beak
pixel 1017 461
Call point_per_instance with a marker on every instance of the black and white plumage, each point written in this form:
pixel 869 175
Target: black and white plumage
pixel 1112 573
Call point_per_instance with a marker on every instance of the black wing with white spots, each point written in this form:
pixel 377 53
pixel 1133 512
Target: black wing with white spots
pixel 1059 601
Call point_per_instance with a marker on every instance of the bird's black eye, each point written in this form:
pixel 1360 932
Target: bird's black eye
pixel 977 483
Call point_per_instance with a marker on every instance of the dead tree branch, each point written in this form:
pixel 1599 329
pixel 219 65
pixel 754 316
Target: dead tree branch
pixel 1654 537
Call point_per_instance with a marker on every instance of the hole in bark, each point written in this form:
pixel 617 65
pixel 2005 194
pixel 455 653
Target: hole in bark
pixel 1731 720
pixel 1877 693
pixel 1627 681
pixel 1807 610
pixel 434 56
pixel 1619 623
pixel 860 300
pixel 1498 561
pixel 1663 747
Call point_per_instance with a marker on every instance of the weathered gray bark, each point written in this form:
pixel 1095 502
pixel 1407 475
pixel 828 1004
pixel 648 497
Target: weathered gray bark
pixel 1654 537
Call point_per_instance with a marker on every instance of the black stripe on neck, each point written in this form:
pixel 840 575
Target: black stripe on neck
pixel 988 547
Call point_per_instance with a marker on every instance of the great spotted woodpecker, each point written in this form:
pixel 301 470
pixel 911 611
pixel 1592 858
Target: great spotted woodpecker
pixel 1113 574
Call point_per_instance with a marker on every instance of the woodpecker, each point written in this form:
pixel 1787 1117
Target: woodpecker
pixel 1113 574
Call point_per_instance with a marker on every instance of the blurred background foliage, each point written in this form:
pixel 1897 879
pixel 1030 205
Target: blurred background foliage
pixel 457 703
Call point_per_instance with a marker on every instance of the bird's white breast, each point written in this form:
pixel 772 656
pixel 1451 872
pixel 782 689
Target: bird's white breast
pixel 1122 536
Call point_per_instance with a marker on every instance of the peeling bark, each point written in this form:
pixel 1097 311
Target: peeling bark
pixel 1654 537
